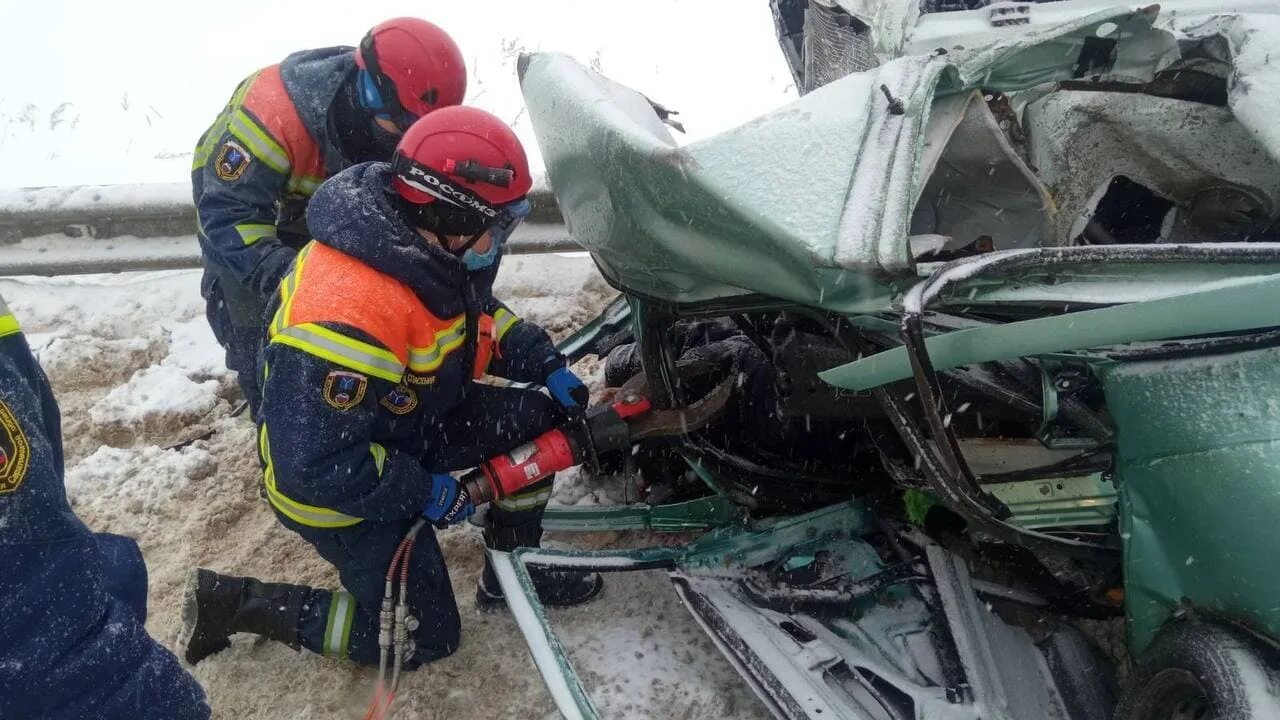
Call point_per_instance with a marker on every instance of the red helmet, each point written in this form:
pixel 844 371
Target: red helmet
pixel 457 166
pixel 415 66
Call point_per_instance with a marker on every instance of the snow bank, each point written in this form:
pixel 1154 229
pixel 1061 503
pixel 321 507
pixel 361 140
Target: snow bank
pixel 136 481
pixel 193 350
pixel 156 394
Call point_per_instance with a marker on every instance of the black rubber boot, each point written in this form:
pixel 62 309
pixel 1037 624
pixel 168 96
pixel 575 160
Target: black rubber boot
pixel 556 588
pixel 219 605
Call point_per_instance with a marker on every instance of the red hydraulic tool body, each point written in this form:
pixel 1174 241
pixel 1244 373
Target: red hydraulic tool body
pixel 601 429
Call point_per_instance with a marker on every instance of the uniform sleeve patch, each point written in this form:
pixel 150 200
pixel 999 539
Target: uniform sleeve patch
pixel 401 400
pixel 344 390
pixel 232 161
pixel 15 452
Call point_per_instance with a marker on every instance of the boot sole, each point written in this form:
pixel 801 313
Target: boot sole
pixel 487 602
pixel 190 615
pixel 191 623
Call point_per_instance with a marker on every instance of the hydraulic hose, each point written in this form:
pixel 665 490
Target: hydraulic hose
pixel 393 626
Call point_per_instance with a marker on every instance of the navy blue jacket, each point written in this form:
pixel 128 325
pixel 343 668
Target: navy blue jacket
pixel 373 342
pixel 265 154
pixel 72 603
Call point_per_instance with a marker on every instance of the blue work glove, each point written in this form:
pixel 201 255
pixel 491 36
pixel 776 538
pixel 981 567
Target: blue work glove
pixel 566 388
pixel 449 502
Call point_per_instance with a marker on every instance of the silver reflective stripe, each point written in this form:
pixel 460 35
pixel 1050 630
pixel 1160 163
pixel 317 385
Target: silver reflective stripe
pixel 333 350
pixel 446 342
pixel 303 184
pixel 338 632
pixel 4 308
pixel 524 502
pixel 262 145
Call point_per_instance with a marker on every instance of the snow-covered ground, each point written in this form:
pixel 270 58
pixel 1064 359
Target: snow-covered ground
pixel 136 370
pixel 108 93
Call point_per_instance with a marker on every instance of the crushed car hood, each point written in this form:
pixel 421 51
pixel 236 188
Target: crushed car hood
pixel 813 203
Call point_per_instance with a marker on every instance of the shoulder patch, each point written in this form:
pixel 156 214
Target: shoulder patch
pixel 401 400
pixel 232 161
pixel 344 390
pixel 15 452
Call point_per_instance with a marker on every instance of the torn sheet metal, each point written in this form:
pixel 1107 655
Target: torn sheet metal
pixel 1071 501
pixel 1176 148
pixel 701 514
pixel 719 549
pixel 978 185
pixel 849 638
pixel 1244 305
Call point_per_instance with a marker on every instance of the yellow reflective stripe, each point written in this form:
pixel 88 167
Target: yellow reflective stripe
pixel 251 233
pixel 214 133
pixel 525 501
pixel 277 322
pixel 337 348
pixel 201 156
pixel 325 343
pixel 310 515
pixel 337 630
pixel 303 184
pixel 8 323
pixel 258 141
pixel 287 289
pixel 379 456
pixel 429 358
pixel 503 321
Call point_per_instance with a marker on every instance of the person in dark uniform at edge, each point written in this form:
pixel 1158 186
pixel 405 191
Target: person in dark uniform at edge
pixel 378 335
pixel 73 603
pixel 286 128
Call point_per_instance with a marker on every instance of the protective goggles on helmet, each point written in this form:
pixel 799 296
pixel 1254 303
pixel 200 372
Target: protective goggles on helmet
pixel 454 210
pixel 440 219
pixel 378 91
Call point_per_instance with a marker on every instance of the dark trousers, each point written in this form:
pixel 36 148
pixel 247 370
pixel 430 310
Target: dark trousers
pixel 345 624
pixel 236 315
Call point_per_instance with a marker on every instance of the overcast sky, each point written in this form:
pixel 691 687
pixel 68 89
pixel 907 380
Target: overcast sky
pixel 98 92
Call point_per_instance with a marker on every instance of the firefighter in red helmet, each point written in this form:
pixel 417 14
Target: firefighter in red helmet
pixel 376 337
pixel 287 128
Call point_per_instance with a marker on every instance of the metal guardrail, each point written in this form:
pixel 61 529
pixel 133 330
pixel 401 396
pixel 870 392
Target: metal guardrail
pixel 125 228
pixel 154 210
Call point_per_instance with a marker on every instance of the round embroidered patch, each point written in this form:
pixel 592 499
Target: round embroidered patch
pixel 401 400
pixel 232 161
pixel 15 452
pixel 344 390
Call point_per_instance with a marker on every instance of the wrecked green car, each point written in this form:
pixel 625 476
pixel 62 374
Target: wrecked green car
pixel 1000 304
